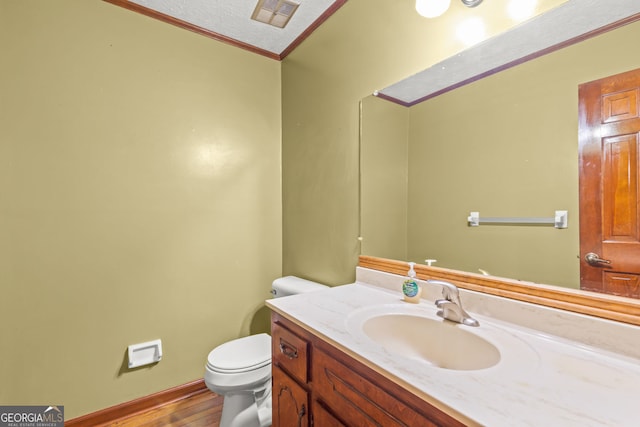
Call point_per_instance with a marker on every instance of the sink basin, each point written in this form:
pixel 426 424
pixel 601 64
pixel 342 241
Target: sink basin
pixel 440 343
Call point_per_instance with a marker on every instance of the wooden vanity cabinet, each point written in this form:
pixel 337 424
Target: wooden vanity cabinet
pixel 316 384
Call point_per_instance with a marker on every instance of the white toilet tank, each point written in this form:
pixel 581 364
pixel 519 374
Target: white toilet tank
pixel 291 285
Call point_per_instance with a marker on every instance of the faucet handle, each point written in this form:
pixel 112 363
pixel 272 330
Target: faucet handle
pixel 449 290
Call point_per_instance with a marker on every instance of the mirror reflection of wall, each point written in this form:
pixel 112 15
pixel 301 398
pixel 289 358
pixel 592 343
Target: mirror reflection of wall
pixel 383 178
pixel 506 146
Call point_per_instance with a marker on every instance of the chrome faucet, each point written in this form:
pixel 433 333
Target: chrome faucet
pixel 450 305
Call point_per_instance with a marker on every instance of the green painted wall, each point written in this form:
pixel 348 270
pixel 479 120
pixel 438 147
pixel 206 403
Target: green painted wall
pixel 140 198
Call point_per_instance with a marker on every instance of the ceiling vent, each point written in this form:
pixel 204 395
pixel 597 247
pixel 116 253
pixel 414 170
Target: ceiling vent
pixel 275 12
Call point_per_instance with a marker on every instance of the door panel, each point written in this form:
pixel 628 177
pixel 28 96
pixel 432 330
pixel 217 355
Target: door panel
pixel 622 284
pixel 620 106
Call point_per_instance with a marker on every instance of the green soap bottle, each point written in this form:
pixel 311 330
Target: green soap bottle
pixel 410 287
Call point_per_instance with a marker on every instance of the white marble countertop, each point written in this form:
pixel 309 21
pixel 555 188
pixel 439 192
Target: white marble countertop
pixel 540 380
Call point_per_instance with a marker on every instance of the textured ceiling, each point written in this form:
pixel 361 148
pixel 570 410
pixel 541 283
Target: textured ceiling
pixel 231 21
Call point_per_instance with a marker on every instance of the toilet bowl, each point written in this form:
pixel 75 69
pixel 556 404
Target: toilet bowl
pixel 240 370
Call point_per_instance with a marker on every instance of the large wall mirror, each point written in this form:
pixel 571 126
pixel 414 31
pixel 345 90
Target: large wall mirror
pixel 506 146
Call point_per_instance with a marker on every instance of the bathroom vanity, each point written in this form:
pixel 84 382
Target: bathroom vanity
pixel 358 355
pixel 313 378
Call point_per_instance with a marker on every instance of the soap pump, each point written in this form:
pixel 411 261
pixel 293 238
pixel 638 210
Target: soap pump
pixel 410 287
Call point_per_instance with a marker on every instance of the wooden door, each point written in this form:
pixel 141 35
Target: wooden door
pixel 609 144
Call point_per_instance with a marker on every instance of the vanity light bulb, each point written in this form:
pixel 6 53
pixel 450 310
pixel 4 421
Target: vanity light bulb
pixel 471 31
pixel 432 8
pixel 519 10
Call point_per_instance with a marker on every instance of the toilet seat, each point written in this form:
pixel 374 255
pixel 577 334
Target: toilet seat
pixel 241 355
pixel 241 364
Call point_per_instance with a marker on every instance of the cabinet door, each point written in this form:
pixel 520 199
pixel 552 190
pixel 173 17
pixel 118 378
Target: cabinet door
pixel 358 401
pixel 290 401
pixel 322 417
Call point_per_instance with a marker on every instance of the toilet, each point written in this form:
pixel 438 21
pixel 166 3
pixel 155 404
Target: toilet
pixel 240 370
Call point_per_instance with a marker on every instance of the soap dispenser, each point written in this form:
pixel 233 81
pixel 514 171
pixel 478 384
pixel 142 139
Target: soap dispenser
pixel 410 287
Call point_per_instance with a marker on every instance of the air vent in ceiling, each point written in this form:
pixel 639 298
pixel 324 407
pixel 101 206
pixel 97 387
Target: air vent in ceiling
pixel 275 12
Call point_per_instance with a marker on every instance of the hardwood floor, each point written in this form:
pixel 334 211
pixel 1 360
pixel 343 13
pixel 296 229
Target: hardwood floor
pixel 200 410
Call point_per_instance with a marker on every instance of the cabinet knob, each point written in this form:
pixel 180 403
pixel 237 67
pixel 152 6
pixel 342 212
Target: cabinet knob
pixel 301 415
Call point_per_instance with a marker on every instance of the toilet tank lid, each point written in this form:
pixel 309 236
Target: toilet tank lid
pixel 291 285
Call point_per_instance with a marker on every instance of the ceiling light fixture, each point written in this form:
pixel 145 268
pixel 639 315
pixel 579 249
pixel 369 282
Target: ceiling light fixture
pixel 275 12
pixel 471 3
pixel 434 8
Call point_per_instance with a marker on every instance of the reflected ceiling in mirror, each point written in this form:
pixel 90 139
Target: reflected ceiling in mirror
pixel 567 24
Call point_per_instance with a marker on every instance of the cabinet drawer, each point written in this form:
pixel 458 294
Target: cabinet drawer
pixel 289 352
